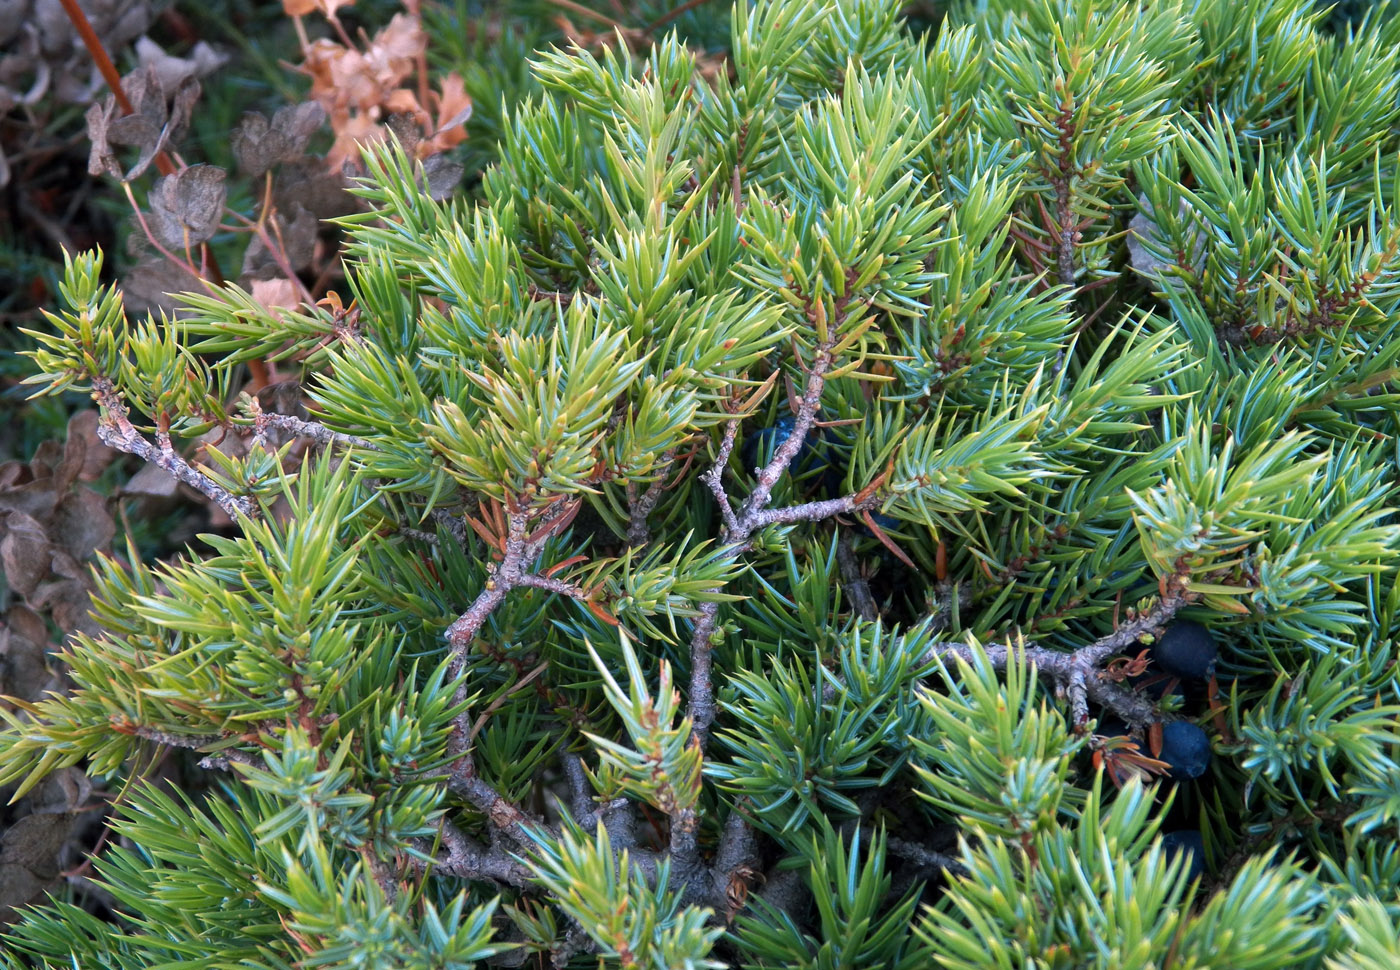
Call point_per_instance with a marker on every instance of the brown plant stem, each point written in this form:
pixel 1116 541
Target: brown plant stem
pixel 641 505
pixel 1079 673
pixel 116 431
pixel 754 515
pixel 666 18
pixel 319 433
pixel 193 742
pixel 468 859
pixel 108 70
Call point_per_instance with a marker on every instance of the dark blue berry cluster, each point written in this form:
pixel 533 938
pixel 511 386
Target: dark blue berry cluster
pixel 1185 749
pixel 816 464
pixel 1187 843
pixel 1186 649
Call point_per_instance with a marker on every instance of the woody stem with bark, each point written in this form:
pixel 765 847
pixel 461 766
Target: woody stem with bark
pixel 753 515
pixel 1079 672
pixel 116 431
pixel 504 577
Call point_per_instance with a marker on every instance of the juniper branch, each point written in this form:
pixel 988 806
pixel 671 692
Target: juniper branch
pixel 312 430
pixel 739 528
pixel 500 811
pixel 194 742
pixel 641 505
pixel 1079 672
pixel 466 858
pixel 116 431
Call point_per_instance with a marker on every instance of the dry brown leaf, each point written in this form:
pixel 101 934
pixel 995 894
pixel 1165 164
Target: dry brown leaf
pixel 307 183
pixel 396 46
pixel 148 286
pixel 82 524
pixel 29 496
pixel 259 144
pixel 295 238
pixel 275 294
pixel 454 108
pixel 151 480
pixel 356 129
pixel 173 71
pixel 186 206
pixel 363 91
pixel 443 176
pixel 23 640
pixel 29 851
pixel 25 553
pixel 82 438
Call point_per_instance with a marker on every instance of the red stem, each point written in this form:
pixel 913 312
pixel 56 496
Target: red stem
pixel 114 81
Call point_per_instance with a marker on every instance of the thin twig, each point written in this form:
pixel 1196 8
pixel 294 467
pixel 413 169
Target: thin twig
pixel 641 506
pixel 714 478
pixel 319 433
pixel 812 511
pixel 665 19
pixel 504 814
pixel 551 585
pixel 115 430
pixel 505 576
pixel 194 742
pixel 1079 671
pixel 751 517
pixel 468 859
pixel 924 856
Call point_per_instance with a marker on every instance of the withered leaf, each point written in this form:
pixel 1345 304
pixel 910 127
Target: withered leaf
pixel 21 621
pixel 46 459
pixel 101 159
pixel 152 480
pixel 443 175
pixel 29 852
pixel 31 497
pixel 297 123
pixel 175 123
pixel 144 126
pixel 404 126
pixel 306 182
pixel 186 206
pixel 173 71
pixel 251 144
pixel 67 601
pixel 152 127
pixel 82 524
pixel 182 109
pixel 74 454
pixel 297 239
pixel 25 553
pixel 147 288
pixel 12 14
pixel 24 671
pixel 83 445
pixel 258 144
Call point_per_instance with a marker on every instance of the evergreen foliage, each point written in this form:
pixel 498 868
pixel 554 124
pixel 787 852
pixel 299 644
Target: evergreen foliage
pixel 738 534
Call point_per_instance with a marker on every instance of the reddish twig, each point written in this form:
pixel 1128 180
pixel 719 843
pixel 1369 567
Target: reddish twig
pixel 665 19
pixel 164 164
